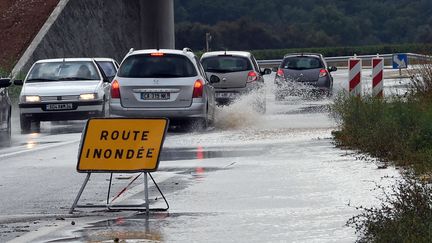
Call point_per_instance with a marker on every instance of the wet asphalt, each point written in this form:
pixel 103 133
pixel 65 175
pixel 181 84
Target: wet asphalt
pixel 250 178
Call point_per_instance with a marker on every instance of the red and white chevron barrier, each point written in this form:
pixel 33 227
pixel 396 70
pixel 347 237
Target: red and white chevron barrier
pixel 377 77
pixel 355 68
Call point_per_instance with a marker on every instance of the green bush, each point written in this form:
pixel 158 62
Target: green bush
pixel 398 130
pixel 405 214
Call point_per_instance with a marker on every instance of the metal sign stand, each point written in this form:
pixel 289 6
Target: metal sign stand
pixel 140 207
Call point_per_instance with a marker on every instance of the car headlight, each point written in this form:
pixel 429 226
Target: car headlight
pixel 32 98
pixel 87 96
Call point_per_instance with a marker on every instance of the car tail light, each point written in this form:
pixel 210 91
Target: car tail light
pixel 157 54
pixel 280 73
pixel 323 73
pixel 252 76
pixel 198 89
pixel 115 90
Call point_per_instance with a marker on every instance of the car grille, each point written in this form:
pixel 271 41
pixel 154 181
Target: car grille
pixel 60 98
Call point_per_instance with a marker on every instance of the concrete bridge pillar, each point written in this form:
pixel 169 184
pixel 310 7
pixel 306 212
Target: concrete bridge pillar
pixel 157 24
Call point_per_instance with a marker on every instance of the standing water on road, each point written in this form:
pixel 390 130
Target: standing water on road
pixel 252 178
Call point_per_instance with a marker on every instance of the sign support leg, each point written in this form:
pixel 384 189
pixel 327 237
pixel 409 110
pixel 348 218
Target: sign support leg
pixel 80 193
pixel 109 188
pixel 146 193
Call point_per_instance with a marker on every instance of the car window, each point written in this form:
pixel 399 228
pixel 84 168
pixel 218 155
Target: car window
pixel 255 64
pixel 301 63
pixel 200 68
pixel 158 66
pixel 226 64
pixel 108 68
pixel 61 71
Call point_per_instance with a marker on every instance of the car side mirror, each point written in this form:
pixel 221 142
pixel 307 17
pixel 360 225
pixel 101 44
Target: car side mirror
pixel 4 82
pixel 214 79
pixel 332 69
pixel 266 71
pixel 18 82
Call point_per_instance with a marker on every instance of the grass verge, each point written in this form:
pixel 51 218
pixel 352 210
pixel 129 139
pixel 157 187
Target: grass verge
pixel 404 215
pixel 396 130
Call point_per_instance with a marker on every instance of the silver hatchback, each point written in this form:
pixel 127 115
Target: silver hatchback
pixel 236 73
pixel 163 83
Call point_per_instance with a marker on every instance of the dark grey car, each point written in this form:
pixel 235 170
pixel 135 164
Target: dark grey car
pixel 5 109
pixel 303 71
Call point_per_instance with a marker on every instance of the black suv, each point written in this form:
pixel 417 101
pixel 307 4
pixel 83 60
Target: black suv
pixel 5 109
pixel 303 71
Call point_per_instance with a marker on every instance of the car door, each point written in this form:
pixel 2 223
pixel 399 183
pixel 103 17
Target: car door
pixel 105 78
pixel 208 86
pixel 257 69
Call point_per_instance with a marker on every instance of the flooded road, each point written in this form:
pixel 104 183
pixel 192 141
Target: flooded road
pixel 251 178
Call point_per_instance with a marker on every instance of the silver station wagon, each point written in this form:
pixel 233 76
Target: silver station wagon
pixel 62 89
pixel 163 83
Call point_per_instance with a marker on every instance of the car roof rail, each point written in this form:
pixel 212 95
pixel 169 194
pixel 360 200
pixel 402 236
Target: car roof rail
pixel 131 50
pixel 187 49
pixel 303 54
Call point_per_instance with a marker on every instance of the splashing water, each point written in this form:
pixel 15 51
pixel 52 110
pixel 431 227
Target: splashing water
pixel 243 112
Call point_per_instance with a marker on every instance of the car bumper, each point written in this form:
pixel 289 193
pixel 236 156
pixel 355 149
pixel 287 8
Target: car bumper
pixel 226 96
pixel 322 83
pixel 79 111
pixel 196 110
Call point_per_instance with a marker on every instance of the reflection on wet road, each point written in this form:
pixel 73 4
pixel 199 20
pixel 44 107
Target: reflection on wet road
pixel 200 153
pixel 253 177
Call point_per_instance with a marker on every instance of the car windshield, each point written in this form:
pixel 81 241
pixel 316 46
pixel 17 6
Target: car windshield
pixel 301 63
pixel 157 66
pixel 108 68
pixel 226 64
pixel 63 71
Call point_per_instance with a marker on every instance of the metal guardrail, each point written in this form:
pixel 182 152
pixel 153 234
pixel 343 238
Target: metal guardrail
pixel 344 59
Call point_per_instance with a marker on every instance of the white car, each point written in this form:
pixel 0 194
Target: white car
pixel 63 89
pixel 163 83
pixel 5 109
pixel 108 65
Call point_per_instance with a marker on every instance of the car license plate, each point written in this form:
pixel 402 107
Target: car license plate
pixel 155 96
pixel 226 95
pixel 56 107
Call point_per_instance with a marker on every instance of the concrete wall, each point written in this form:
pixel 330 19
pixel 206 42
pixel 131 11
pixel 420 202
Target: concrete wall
pixel 102 28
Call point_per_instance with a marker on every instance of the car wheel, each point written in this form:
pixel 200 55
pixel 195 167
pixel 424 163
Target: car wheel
pixel 36 125
pixel 25 124
pixel 9 124
pixel 262 108
pixel 329 92
pixel 198 124
pixel 210 116
pixel 6 134
pixel 105 109
pixel 278 96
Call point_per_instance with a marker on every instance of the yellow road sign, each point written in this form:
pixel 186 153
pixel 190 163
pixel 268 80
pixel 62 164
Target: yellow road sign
pixel 121 145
